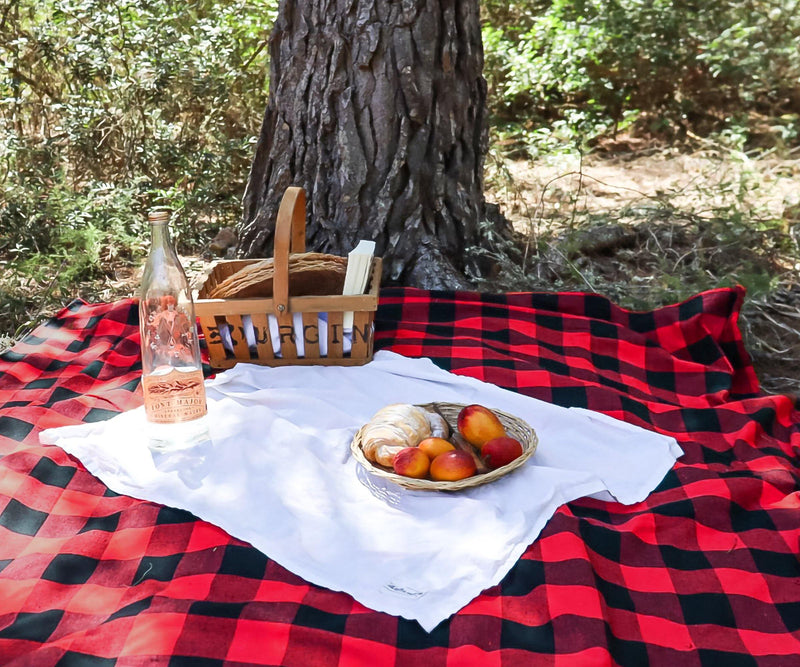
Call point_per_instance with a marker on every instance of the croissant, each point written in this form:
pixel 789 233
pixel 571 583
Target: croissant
pixel 397 426
pixel 439 426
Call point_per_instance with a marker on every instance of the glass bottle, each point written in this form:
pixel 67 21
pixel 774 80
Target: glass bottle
pixel 172 372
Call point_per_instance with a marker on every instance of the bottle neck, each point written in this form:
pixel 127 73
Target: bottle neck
pixel 159 235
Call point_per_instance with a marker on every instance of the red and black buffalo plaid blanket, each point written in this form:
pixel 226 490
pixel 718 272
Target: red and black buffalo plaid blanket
pixel 705 572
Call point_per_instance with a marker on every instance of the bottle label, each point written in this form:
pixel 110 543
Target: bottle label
pixel 174 397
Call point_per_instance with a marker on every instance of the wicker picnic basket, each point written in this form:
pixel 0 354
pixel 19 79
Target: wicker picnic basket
pixel 267 330
pixel 514 426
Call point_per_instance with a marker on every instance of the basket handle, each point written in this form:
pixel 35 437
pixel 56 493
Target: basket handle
pixel 290 236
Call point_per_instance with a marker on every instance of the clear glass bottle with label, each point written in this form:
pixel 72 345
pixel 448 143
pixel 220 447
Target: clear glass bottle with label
pixel 172 372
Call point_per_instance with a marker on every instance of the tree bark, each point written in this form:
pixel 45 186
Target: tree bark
pixel 378 109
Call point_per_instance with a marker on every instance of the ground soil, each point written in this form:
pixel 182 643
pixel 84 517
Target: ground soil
pixel 686 220
pixel 624 174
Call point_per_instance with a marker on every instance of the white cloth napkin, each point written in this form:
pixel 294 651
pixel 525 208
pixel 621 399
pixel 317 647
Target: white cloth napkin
pixel 278 473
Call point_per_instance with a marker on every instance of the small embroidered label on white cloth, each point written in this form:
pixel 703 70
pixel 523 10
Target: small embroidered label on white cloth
pixel 404 591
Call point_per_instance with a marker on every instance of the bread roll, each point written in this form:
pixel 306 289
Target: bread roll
pixel 391 429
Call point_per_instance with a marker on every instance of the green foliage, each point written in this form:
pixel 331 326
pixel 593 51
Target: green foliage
pixel 583 69
pixel 108 107
pixel 157 98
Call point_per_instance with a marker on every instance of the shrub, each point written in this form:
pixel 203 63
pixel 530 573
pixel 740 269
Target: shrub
pixel 594 66
pixel 160 98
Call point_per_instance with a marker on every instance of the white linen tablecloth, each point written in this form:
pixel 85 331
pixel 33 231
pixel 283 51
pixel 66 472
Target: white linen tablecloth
pixel 277 472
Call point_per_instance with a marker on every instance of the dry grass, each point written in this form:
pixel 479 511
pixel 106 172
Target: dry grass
pixel 648 225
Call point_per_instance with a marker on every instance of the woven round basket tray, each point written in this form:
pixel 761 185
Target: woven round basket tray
pixel 514 427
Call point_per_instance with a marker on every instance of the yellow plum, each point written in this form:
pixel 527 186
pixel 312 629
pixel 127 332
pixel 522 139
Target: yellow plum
pixel 478 424
pixel 498 452
pixel 434 446
pixel 411 462
pixel 452 466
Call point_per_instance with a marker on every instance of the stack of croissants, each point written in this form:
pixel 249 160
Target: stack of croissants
pixel 397 426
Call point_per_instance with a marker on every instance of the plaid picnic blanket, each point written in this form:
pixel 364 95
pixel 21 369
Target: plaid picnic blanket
pixel 704 572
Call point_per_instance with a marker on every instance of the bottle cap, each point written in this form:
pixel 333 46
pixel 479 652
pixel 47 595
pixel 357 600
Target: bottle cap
pixel 158 216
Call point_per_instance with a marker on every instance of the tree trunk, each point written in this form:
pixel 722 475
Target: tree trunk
pixel 378 109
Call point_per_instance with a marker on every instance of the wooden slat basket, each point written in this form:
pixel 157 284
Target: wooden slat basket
pixel 281 329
